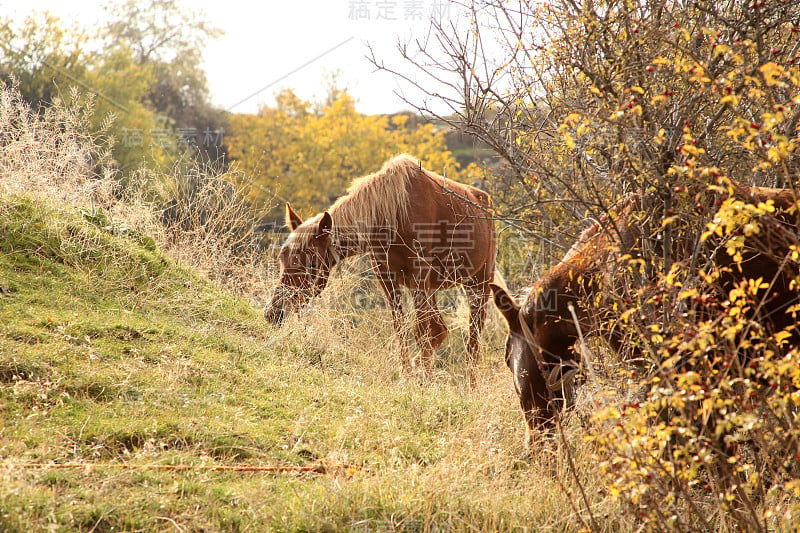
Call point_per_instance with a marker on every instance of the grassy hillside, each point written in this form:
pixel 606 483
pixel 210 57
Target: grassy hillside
pixel 135 395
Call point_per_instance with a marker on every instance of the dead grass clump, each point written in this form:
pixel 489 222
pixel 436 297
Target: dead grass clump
pixel 50 153
pixel 206 221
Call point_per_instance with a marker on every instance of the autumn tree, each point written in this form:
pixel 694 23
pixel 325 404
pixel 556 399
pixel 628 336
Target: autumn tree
pixel 48 62
pixel 143 70
pixel 308 154
pixel 582 100
pixel 168 39
pixel 39 51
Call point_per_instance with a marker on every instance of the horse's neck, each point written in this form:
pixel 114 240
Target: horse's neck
pixel 354 237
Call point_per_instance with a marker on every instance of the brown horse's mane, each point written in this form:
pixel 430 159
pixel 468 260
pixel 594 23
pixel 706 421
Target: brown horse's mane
pixel 601 231
pixel 377 200
pixel 583 238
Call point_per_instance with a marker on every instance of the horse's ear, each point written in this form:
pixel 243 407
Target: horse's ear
pixel 292 219
pixel 325 225
pixel 506 304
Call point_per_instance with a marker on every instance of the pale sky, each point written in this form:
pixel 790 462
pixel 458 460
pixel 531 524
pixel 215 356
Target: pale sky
pixel 272 45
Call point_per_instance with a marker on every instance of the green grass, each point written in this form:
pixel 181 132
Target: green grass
pixel 112 354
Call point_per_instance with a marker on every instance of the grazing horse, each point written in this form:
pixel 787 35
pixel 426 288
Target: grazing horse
pixel 543 330
pixel 420 230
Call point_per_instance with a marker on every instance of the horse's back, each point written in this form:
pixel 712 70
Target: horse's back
pixel 443 199
pixel 446 217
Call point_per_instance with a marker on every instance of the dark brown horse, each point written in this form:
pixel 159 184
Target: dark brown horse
pixel 543 330
pixel 420 230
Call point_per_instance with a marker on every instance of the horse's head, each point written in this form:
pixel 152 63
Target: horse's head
pixel 306 260
pixel 522 340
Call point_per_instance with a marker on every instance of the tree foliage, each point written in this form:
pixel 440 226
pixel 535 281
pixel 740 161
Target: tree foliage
pixel 308 154
pixel 600 99
pixel 39 54
pixel 142 69
pixel 168 39
pixel 45 61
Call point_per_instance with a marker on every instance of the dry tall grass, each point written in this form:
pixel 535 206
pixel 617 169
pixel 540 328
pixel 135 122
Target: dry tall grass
pixel 50 154
pixel 194 213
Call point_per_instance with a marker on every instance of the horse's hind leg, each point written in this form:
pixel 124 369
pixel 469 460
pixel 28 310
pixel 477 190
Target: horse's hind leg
pixel 429 327
pixel 478 296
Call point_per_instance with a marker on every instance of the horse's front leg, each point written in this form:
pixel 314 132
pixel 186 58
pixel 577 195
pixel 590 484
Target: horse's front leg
pixel 395 298
pixel 429 327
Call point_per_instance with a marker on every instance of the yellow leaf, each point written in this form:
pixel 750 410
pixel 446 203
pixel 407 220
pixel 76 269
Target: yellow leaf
pixel 771 72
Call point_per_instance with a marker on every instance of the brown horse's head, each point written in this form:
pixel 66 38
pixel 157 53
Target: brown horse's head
pixel 529 382
pixel 306 260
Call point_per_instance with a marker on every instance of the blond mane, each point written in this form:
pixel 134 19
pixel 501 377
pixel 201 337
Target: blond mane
pixel 377 200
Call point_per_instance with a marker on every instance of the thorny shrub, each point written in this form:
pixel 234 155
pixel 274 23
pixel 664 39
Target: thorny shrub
pixel 712 441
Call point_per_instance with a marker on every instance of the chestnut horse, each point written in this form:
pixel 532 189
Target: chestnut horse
pixel 420 230
pixel 543 330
